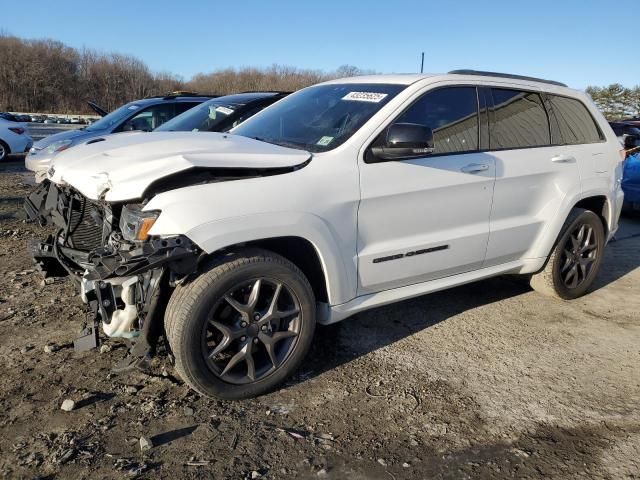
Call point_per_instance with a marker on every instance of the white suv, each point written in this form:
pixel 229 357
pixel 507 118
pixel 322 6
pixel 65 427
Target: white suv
pixel 344 196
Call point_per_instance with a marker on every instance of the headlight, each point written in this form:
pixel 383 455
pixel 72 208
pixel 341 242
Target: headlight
pixel 135 224
pixel 58 146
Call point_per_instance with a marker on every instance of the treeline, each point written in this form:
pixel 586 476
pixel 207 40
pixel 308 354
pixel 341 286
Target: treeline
pixel 615 101
pixel 48 76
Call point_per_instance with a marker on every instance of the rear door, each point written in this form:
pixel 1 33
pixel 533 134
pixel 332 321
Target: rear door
pixel 428 218
pixel 533 177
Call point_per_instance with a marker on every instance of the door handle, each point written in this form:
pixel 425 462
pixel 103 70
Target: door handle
pixel 563 159
pixel 475 168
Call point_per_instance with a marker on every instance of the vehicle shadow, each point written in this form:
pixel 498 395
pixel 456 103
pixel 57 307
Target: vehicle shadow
pixel 374 329
pixel 366 332
pixel 622 255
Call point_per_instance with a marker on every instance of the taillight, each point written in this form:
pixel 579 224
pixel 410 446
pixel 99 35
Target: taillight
pixel 17 130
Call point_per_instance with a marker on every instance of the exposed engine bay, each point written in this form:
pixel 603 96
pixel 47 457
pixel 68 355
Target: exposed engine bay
pixel 105 247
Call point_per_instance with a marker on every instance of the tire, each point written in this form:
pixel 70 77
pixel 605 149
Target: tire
pixel 573 252
pixel 4 151
pixel 220 325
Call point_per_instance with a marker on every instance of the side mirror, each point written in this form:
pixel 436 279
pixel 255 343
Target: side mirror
pixel 405 141
pixel 630 141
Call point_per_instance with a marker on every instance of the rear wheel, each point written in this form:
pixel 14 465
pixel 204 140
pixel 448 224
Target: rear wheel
pixel 4 150
pixel 243 326
pixel 575 260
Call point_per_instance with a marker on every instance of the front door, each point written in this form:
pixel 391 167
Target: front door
pixel 428 218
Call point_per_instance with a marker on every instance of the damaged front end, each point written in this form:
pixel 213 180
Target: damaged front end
pixel 123 273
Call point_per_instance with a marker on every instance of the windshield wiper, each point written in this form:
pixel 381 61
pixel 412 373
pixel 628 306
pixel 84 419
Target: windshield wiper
pixel 282 143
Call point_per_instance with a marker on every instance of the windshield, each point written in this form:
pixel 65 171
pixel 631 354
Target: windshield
pixel 114 117
pixel 319 118
pixel 206 117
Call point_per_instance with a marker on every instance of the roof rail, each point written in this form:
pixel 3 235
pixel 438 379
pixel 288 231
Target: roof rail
pixel 506 75
pixel 170 95
pixel 279 92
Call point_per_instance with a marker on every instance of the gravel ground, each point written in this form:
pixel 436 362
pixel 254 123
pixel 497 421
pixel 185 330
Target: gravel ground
pixel 488 380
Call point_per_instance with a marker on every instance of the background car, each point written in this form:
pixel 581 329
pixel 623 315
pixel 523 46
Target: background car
pixel 221 114
pixel 145 114
pixel 623 128
pixel 13 138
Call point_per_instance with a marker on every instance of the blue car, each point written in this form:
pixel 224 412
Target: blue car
pixel 631 182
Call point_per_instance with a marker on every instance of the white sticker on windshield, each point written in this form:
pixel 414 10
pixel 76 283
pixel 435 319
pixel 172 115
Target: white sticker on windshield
pixel 225 110
pixel 324 141
pixel 372 97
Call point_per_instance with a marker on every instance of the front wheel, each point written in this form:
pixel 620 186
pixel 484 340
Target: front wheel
pixel 575 260
pixel 243 326
pixel 4 150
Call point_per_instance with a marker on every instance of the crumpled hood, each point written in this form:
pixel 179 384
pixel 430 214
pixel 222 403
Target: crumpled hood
pixel 121 167
pixel 75 135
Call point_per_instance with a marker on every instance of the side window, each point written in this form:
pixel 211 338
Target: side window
pixel 575 122
pixel 518 120
pixel 149 118
pixel 452 114
pixel 182 107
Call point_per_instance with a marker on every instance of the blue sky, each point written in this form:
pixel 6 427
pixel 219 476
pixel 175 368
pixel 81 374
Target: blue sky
pixel 575 41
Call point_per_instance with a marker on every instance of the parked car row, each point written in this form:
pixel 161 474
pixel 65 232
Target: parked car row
pixel 12 117
pixel 340 197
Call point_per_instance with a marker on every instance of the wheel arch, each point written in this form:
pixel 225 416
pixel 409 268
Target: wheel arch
pixel 601 206
pixel 299 251
pixel 597 202
pixel 303 239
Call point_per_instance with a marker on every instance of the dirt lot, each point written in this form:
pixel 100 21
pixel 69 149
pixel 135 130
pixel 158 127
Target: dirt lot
pixel 490 380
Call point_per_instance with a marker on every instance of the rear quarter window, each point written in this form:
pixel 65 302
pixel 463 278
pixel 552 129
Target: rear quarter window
pixel 575 122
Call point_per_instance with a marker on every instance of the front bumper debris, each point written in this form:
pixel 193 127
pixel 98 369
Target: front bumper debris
pixel 179 254
pixel 121 281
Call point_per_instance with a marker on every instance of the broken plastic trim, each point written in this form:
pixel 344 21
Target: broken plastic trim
pixel 178 253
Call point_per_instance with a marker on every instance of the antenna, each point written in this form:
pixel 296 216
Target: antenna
pixel 422 64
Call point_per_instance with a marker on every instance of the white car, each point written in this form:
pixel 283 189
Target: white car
pixel 343 196
pixel 14 138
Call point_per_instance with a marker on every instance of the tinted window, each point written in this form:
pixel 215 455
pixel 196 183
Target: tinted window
pixel 181 107
pixel 209 116
pixel 518 120
pixel 149 118
pixel 575 122
pixel 452 114
pixel 319 118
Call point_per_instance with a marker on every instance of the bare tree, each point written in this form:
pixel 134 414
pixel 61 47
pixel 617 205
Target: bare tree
pixel 48 76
